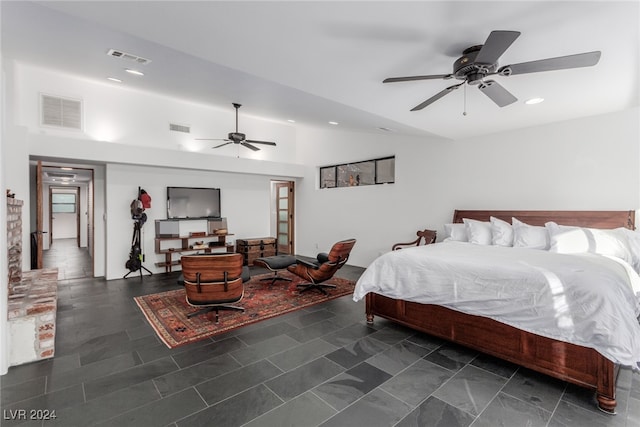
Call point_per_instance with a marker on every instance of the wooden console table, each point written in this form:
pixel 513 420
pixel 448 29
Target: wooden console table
pixel 218 241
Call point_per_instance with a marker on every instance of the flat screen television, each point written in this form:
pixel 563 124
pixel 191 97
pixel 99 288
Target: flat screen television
pixel 191 202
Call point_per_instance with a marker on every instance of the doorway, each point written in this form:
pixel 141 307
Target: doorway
pixel 62 213
pixel 282 215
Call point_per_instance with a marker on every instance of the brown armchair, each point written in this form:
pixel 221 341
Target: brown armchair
pixel 324 268
pixel 213 282
pixel 425 237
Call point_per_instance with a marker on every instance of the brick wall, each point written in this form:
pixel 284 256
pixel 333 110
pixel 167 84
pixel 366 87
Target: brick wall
pixel 14 241
pixel 32 301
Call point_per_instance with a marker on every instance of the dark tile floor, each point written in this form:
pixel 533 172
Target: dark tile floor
pixel 318 366
pixel 71 261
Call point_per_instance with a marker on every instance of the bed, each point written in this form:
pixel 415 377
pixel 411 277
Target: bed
pixel 577 364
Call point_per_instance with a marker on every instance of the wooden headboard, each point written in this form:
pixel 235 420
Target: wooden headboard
pixel 593 219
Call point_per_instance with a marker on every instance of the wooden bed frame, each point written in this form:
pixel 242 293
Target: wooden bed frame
pixel 569 362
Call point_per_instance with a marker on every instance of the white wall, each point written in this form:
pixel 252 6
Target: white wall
pixel 245 201
pixel 590 163
pixel 115 113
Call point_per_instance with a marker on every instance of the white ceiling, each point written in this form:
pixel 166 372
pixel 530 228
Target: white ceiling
pixel 319 61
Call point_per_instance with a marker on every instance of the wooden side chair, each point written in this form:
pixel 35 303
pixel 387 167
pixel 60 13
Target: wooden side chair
pixel 213 282
pixel 425 237
pixel 324 268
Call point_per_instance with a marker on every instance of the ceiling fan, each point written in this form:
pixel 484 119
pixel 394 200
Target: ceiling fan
pixel 237 137
pixel 481 61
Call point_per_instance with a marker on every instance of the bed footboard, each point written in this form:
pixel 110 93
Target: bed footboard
pixel 569 362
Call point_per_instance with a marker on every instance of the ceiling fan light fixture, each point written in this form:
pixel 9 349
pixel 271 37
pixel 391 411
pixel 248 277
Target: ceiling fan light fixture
pixel 534 101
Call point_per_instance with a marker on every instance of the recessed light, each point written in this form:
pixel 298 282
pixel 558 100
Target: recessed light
pixel 113 79
pixel 291 121
pixel 135 72
pixel 533 101
pixel 66 169
pixel 333 123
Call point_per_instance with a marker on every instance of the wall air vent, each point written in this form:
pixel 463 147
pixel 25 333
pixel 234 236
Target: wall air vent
pixel 60 112
pixel 179 128
pixel 128 56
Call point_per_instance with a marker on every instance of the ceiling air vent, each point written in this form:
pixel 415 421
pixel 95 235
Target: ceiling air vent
pixel 128 56
pixel 60 175
pixel 179 128
pixel 61 112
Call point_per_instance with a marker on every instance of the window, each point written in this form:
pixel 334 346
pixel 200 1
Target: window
pixel 368 172
pixel 63 203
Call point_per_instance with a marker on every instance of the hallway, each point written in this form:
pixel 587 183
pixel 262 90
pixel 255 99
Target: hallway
pixel 72 262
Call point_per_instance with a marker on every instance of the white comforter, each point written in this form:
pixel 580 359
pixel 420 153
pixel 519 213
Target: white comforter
pixel 589 300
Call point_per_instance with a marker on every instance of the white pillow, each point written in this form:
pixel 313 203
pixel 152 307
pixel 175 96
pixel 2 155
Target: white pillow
pixel 455 233
pixel 478 232
pixel 501 232
pixel 633 241
pixel 529 236
pixel 568 239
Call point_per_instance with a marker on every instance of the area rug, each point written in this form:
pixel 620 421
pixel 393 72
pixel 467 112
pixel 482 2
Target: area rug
pixel 167 311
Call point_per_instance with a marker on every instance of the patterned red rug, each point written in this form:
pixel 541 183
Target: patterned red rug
pixel 167 311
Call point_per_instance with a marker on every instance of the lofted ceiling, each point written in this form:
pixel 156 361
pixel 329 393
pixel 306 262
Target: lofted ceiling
pixel 320 61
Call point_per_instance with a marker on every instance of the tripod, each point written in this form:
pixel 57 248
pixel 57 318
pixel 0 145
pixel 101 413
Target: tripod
pixel 135 256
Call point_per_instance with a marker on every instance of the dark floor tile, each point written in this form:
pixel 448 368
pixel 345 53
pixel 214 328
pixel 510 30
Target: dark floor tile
pixel 92 371
pixel 470 389
pixel 301 354
pixel 392 334
pixel 160 412
pixel 314 331
pixel 349 386
pixel 349 334
pixel 195 374
pixel 451 356
pixel 54 401
pixel 212 349
pixel 305 410
pixel 569 415
pixel 508 411
pixel 434 412
pixel 537 389
pixel 264 333
pixel 398 357
pixel 302 319
pixel 417 382
pixel 376 409
pixel 263 349
pixel 494 365
pixel 30 371
pixel 117 349
pixel 123 379
pixel 224 386
pixel 22 391
pixel 108 406
pixel 304 378
pixel 427 341
pixel 237 410
pixel 359 351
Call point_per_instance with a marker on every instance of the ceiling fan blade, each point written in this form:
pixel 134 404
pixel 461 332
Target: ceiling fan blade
pixel 412 78
pixel 497 43
pixel 579 60
pixel 246 144
pixel 212 139
pixel 437 96
pixel 261 142
pixel 497 93
pixel 222 145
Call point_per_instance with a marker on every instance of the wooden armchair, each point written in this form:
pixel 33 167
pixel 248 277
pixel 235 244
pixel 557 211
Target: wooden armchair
pixel 425 237
pixel 324 268
pixel 213 282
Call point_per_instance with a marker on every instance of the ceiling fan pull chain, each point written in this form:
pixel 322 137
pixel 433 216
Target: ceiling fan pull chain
pixel 464 110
